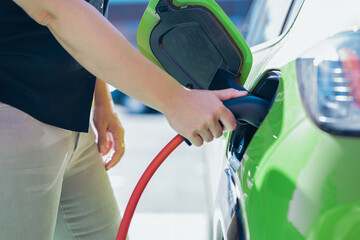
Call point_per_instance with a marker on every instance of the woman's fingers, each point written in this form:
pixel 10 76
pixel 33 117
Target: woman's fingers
pixel 118 146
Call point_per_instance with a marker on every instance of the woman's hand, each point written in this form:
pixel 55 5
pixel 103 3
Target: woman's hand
pixel 200 115
pixel 108 126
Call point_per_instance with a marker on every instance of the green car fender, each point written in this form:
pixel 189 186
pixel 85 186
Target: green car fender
pixel 340 222
pixel 299 180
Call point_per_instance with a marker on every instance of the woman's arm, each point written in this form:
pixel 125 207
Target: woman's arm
pixel 101 49
pixel 104 52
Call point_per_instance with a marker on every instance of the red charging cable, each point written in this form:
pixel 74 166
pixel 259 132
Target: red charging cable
pixel 145 178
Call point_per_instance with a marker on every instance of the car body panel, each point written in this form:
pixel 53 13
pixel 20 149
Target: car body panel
pixel 287 183
pixel 295 178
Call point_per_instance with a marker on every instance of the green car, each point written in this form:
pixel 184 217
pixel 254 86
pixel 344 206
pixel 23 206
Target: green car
pixel 295 175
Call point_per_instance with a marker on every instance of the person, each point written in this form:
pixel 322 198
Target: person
pixel 55 55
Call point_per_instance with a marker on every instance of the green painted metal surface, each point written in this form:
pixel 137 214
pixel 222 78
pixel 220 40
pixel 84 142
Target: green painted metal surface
pixel 298 181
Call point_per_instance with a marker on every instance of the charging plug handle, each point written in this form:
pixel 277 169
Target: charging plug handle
pixel 248 109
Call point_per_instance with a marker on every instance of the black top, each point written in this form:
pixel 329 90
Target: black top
pixel 38 76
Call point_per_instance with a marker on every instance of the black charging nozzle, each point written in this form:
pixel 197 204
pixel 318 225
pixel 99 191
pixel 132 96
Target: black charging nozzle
pixel 249 109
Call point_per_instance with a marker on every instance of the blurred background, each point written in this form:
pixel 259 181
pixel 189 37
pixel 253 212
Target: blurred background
pixel 174 205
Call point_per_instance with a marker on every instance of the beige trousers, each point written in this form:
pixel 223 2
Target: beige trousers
pixel 53 184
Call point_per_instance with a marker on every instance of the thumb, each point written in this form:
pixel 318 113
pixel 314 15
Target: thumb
pixel 229 93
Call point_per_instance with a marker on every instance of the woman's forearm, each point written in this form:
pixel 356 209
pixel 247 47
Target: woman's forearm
pixel 103 50
pixel 102 94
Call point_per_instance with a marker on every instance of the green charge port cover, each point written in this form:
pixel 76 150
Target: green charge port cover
pixel 193 40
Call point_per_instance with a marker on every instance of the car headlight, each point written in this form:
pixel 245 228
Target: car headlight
pixel 329 82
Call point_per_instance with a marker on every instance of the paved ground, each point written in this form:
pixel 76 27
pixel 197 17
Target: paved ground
pixel 173 205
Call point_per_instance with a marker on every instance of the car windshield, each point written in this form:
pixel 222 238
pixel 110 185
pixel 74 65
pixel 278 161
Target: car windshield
pixel 267 19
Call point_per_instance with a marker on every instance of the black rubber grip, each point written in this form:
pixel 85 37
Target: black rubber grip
pixel 249 109
pixel 187 141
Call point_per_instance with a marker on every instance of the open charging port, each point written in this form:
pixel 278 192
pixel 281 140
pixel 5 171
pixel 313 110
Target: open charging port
pixel 265 89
